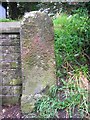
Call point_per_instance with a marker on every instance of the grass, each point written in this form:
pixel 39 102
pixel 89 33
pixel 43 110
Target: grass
pixel 7 20
pixel 72 47
pixel 75 96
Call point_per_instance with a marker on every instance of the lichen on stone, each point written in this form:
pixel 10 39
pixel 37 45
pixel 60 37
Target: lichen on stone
pixel 37 58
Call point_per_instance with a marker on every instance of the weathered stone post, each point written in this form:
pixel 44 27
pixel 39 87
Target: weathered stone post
pixel 37 55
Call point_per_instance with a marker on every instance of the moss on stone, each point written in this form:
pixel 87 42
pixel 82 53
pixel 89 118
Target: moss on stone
pixel 15 82
pixel 10 100
pixel 17 91
pixel 13 65
pixel 27 107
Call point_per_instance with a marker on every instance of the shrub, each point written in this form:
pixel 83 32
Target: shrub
pixel 72 42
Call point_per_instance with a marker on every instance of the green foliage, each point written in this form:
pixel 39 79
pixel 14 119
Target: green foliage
pixel 72 46
pixel 48 106
pixel 7 20
pixel 72 39
pixel 26 7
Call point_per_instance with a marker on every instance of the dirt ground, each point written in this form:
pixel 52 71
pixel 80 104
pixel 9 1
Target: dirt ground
pixel 14 112
pixel 10 112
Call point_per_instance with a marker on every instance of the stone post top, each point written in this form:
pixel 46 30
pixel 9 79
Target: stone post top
pixel 35 15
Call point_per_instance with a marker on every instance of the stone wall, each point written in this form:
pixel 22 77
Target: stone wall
pixel 10 63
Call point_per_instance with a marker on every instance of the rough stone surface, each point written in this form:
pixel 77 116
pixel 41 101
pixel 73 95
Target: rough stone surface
pixel 0 77
pixel 11 99
pixel 10 63
pixel 37 55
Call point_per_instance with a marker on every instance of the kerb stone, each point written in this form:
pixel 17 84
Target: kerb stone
pixel 37 56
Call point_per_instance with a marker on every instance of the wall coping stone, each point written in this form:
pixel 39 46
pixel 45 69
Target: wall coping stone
pixel 9 27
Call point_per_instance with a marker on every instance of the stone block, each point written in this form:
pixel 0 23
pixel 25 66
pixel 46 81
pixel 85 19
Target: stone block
pixel 10 49
pixel 10 100
pixel 37 56
pixel 12 81
pixel 0 103
pixel 10 40
pixel 11 57
pixel 11 77
pixel 0 65
pixel 11 90
pixel 10 64
pixel 1 77
pixel 0 56
pixel 0 90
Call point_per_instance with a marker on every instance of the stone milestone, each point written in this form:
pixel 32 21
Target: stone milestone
pixel 37 56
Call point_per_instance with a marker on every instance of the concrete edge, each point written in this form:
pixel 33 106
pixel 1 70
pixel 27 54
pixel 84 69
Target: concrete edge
pixel 9 27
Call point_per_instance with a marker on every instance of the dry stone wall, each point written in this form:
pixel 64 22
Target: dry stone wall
pixel 10 63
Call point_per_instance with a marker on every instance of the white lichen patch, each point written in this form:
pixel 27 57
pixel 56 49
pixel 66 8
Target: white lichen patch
pixel 36 67
pixel 38 56
pixel 28 15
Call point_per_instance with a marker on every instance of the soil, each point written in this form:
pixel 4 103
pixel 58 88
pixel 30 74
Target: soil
pixel 14 113
pixel 10 112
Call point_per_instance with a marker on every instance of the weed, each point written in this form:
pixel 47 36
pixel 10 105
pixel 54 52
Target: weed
pixel 7 20
pixel 48 106
pixel 72 45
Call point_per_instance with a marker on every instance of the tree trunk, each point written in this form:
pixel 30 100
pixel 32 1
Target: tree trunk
pixel 13 10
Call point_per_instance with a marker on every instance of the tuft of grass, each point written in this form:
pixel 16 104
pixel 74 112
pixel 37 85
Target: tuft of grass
pixel 7 20
pixel 48 106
